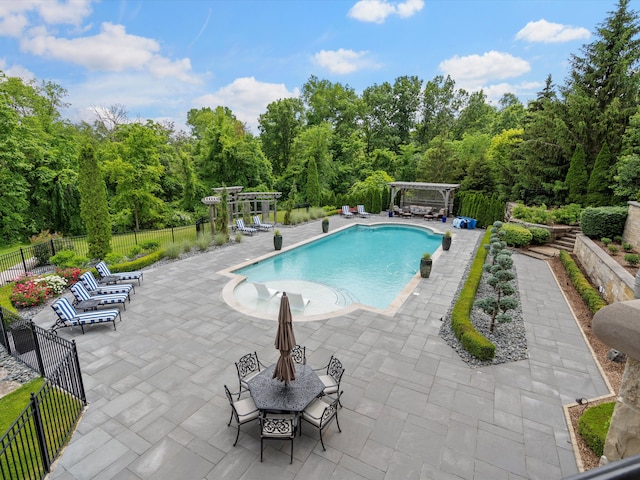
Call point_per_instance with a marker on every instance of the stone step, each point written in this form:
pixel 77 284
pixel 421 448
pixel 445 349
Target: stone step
pixel 565 241
pixel 562 246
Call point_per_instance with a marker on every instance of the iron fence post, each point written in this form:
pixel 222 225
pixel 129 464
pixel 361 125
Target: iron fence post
pixel 135 236
pixel 3 331
pixel 24 262
pixel 79 372
pixel 173 238
pixel 42 443
pixel 53 247
pixel 37 349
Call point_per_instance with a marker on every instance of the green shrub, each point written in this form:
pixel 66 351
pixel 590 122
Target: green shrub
pixel 68 259
pixel 187 246
pixel 539 235
pixel 598 222
pixel 589 294
pixel 238 237
pixel 138 263
pixel 150 245
pixel 618 239
pixel 539 215
pixel 203 241
pixel 220 239
pixel 472 341
pixel 135 251
pixel 568 214
pixel 612 249
pixel 593 426
pixel 627 247
pixel 516 235
pixel 632 259
pixel 113 258
pixel 173 251
pixel 606 241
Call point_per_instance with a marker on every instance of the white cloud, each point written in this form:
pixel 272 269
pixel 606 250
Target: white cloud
pixel 377 11
pixel 16 71
pixel 548 32
pixel 524 89
pixel 13 24
pixel 343 61
pixel 111 50
pixel 247 98
pixel 473 70
pixel 70 12
pixel 14 15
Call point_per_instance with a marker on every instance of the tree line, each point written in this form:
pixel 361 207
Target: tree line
pixel 576 142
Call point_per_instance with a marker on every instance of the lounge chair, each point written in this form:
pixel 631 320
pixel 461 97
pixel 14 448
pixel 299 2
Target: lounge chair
pixel 69 317
pixel 82 295
pixel 362 212
pixel 297 302
pixel 264 292
pixel 259 225
pixel 108 277
pixel 346 212
pixel 90 283
pixel 246 230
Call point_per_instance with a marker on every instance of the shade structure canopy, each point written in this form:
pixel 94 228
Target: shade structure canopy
pixel 285 370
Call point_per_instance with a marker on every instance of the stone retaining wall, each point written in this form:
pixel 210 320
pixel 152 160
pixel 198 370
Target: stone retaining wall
pixel 632 226
pixel 603 271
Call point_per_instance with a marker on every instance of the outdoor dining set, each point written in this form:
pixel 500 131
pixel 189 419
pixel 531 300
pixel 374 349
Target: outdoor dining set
pixel 282 395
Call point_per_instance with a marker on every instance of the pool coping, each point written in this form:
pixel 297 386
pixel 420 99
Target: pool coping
pixel 230 299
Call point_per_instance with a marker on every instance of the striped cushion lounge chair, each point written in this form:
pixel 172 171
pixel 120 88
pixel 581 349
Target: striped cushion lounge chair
pixel 346 212
pixel 69 317
pixel 259 225
pixel 81 294
pixel 243 229
pixel 105 274
pixel 361 211
pixel 90 283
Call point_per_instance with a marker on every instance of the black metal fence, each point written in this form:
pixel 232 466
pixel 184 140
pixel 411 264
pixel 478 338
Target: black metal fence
pixel 35 258
pixel 36 438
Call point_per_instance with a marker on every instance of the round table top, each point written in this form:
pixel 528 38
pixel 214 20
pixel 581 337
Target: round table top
pixel 271 394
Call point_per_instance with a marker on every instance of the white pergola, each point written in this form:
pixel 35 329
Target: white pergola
pixel 445 189
pixel 237 197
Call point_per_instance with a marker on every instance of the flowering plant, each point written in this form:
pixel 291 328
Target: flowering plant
pixel 32 291
pixel 71 275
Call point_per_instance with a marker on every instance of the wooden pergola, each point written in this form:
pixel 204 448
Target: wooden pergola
pixel 236 198
pixel 445 189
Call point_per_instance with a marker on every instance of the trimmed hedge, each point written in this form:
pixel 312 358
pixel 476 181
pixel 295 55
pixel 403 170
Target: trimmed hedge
pixel 138 263
pixel 589 294
pixel 516 235
pixel 472 341
pixel 539 235
pixel 593 426
pixel 598 222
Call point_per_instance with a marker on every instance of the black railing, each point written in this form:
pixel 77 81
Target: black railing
pixel 36 438
pixel 625 469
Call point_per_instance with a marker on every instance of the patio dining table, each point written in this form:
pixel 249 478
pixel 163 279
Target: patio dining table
pixel 272 395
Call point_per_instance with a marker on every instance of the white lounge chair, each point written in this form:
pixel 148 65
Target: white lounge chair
pixel 259 225
pixel 346 212
pixel 297 302
pixel 243 229
pixel 361 211
pixel 264 292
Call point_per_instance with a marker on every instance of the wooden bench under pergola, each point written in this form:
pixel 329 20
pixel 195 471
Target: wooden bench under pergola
pixel 446 190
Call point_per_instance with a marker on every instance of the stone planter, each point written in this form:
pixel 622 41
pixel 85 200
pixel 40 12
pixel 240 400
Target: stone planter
pixel 425 267
pixel 325 226
pixel 446 242
pixel 277 242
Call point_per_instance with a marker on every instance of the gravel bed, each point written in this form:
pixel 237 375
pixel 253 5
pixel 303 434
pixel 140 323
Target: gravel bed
pixel 15 370
pixel 509 338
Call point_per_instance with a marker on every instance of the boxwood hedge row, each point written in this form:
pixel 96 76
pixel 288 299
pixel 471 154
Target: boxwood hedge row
pixel 587 292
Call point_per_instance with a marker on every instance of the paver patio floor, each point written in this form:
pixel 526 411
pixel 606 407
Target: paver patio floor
pixel 412 408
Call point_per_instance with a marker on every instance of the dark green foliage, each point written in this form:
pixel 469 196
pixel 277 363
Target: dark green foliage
pixel 516 235
pixel 599 188
pixel 598 222
pixel 472 341
pixel 94 208
pixel 138 263
pixel 589 294
pixel 577 180
pixel 593 426
pixel 568 214
pixel 632 259
pixel 222 220
pixel 68 259
pixel 485 210
pixel 605 240
pixel 313 183
pixel 539 235
pixel 540 215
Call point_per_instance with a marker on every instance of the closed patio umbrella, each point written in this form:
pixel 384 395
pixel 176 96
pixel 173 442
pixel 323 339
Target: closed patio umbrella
pixel 285 370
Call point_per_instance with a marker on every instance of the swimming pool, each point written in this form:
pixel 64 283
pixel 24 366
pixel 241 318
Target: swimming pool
pixel 362 264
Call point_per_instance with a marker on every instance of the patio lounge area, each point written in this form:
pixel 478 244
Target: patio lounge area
pixel 411 408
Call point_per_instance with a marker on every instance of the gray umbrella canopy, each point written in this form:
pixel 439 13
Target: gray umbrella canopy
pixel 285 370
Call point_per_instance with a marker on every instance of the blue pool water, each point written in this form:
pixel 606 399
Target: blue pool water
pixel 363 264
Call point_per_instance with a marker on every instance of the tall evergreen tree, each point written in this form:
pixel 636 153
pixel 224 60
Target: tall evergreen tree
pixel 313 183
pixel 599 189
pixel 577 179
pixel 94 208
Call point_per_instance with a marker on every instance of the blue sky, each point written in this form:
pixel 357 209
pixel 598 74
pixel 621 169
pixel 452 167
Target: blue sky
pixel 160 58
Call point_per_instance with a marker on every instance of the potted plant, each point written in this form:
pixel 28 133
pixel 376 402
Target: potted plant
pixel 325 224
pixel 425 265
pixel 277 240
pixel 446 240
